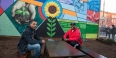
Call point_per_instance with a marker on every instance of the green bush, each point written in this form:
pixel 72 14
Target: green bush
pixel 110 40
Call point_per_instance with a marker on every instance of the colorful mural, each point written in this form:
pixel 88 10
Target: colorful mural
pixel 53 16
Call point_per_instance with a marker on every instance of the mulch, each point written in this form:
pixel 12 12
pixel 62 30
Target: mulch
pixel 8 47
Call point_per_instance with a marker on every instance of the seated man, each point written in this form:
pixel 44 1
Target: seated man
pixel 73 36
pixel 30 41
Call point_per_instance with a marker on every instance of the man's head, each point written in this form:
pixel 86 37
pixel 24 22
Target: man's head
pixel 33 24
pixel 72 25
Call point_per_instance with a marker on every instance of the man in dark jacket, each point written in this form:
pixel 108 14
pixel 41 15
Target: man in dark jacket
pixel 30 41
pixel 113 31
pixel 107 30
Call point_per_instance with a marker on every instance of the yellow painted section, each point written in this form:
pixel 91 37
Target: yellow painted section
pixel 65 11
pixel 91 36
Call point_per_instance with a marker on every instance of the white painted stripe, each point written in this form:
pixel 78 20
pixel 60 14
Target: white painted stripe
pixel 81 16
pixel 66 16
pixel 69 7
pixel 80 19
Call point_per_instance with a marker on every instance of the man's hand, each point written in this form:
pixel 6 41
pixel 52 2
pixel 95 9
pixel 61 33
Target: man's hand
pixel 31 8
pixel 66 39
pixel 43 41
pixel 17 5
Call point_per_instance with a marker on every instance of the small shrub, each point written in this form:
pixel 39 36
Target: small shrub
pixel 102 39
pixel 110 40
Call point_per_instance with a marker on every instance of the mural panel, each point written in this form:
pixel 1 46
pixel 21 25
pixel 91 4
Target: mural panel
pixel 54 16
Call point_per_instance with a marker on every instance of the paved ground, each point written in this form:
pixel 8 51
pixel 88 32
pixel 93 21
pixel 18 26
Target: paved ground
pixel 8 47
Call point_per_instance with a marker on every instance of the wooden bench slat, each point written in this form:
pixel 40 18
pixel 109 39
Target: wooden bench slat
pixel 62 49
pixel 91 53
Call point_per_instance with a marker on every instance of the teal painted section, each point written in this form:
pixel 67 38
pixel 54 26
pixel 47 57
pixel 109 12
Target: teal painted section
pixel 6 27
pixel 14 0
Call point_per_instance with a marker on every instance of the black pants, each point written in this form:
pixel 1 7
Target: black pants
pixel 113 36
pixel 108 34
pixel 72 43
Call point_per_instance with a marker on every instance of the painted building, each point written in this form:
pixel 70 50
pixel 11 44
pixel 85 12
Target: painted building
pixel 109 18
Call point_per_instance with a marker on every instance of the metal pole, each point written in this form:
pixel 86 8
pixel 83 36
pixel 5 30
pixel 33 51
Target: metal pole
pixel 103 7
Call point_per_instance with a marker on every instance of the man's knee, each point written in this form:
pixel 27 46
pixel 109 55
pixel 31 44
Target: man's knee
pixel 37 46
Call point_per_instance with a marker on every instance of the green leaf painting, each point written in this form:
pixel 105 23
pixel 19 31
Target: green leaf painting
pixel 18 12
pixel 53 20
pixel 54 25
pixel 27 13
pixel 23 8
pixel 49 34
pixel 48 28
pixel 22 11
pixel 53 34
pixel 51 27
pixel 49 20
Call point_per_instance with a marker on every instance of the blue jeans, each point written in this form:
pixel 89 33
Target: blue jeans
pixel 36 48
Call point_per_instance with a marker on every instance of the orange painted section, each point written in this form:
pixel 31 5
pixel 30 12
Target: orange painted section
pixel 85 0
pixel 72 13
pixel 33 2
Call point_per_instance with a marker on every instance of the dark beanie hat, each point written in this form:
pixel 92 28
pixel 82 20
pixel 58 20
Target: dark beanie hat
pixel 72 23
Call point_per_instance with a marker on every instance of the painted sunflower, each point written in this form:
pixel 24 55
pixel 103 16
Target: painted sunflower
pixel 52 9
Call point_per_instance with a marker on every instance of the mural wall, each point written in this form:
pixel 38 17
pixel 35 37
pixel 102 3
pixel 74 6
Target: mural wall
pixel 53 16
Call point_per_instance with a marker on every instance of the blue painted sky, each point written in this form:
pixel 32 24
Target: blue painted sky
pixel 94 5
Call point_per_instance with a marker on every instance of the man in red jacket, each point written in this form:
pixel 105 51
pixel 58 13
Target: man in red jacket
pixel 73 36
